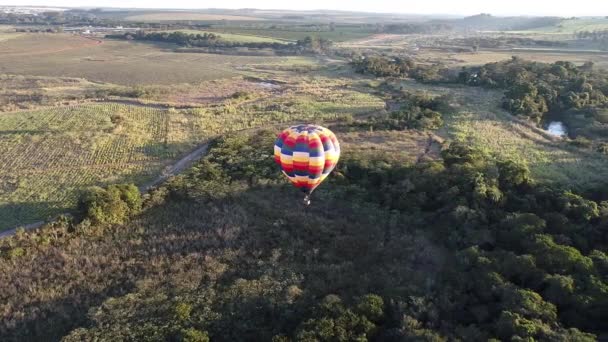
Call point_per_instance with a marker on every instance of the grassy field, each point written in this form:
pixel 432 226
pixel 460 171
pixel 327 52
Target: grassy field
pixel 240 38
pixel 483 57
pixel 339 35
pixel 181 15
pixel 28 92
pixel 575 25
pixel 119 62
pixel 51 154
pixel 479 121
pixel 405 146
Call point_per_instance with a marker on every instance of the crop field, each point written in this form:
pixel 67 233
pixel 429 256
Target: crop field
pixel 119 62
pixel 479 121
pixel 182 15
pixel 51 154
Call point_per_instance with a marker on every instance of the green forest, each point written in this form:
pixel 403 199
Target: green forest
pixel 468 248
pixel 535 90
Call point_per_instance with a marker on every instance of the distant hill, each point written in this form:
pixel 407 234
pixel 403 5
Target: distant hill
pixel 488 22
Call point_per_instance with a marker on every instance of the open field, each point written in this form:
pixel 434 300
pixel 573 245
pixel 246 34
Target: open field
pixel 483 57
pixel 339 35
pixel 480 121
pixel 27 92
pixel 8 35
pixel 240 38
pixel 44 44
pixel 51 154
pixel 182 15
pixel 423 48
pixel 570 26
pixel 119 62
pixel 408 146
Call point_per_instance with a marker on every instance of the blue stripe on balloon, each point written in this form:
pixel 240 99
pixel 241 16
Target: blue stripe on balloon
pixel 286 150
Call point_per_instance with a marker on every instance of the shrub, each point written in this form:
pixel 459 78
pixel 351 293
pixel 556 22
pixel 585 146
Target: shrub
pixel 112 205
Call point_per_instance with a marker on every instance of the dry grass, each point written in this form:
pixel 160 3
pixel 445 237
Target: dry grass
pixel 483 57
pixel 405 146
pixel 28 45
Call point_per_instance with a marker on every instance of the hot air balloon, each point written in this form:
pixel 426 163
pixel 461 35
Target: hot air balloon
pixel 306 154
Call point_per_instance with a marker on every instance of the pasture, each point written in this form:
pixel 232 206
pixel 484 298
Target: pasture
pixel 119 62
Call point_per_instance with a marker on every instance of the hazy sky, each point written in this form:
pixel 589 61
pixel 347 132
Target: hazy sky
pixel 456 7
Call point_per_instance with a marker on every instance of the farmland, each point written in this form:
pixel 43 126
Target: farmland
pixel 339 35
pixel 182 15
pixel 51 154
pixel 453 214
pixel 119 62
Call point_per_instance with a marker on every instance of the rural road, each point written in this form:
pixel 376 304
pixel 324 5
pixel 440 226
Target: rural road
pixel 169 171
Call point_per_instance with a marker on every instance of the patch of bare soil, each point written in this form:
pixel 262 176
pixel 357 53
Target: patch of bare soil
pixel 219 90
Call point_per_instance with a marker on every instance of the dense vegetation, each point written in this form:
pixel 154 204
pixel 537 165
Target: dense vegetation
pixel 408 110
pixel 577 94
pixel 384 66
pixel 468 248
pixel 211 40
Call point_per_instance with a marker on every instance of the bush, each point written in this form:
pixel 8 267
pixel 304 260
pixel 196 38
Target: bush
pixel 113 205
pixel 193 335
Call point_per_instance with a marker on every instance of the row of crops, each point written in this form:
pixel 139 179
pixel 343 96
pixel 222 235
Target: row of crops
pixel 50 155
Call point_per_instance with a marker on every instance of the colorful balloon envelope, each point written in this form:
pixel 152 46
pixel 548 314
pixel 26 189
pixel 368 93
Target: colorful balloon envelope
pixel 307 154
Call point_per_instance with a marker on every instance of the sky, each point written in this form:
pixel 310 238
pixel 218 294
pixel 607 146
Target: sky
pixel 455 7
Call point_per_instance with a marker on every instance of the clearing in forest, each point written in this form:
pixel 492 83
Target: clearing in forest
pixel 480 121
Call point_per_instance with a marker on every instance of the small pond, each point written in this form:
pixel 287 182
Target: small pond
pixel 556 128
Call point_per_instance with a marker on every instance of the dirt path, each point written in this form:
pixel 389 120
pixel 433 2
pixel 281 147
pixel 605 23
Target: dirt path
pixel 30 226
pixel 178 167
